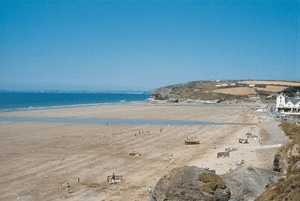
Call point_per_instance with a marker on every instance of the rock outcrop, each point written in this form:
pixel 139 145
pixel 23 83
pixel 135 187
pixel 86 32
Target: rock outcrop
pixel 191 183
pixel 280 164
pixel 246 183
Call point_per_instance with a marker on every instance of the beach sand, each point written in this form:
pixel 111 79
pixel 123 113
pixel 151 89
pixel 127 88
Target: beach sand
pixel 37 157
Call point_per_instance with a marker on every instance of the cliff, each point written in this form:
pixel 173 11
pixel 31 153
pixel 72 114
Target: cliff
pixel 287 163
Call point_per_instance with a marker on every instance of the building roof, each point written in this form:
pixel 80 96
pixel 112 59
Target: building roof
pixel 293 100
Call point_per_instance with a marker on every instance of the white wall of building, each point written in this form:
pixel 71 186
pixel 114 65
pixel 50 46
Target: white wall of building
pixel 282 103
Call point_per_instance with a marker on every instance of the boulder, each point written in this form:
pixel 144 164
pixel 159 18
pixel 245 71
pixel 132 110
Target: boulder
pixel 159 96
pixel 280 164
pixel 173 100
pixel 191 183
pixel 294 151
pixel 246 183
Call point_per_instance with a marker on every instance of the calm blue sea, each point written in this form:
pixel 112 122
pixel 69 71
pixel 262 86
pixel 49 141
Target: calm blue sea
pixel 22 100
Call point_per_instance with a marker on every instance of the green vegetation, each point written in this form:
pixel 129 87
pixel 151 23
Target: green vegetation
pixel 211 182
pixel 289 189
pixel 292 130
pixel 277 192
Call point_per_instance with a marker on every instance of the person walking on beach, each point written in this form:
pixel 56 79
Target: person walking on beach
pixel 68 187
pixel 150 190
pixel 113 178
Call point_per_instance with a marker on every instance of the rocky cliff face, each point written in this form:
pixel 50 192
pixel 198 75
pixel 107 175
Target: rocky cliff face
pixel 191 183
pixel 246 183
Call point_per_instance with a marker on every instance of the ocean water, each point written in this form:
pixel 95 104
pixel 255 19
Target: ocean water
pixel 25 100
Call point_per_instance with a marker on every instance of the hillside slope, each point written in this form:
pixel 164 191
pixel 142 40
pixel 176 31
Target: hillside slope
pixel 213 90
pixel 287 162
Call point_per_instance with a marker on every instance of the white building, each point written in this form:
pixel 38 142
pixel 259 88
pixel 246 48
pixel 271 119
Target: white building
pixel 221 85
pixel 287 105
pixel 254 97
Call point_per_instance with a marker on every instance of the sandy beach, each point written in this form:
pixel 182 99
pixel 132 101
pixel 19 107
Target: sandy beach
pixel 38 159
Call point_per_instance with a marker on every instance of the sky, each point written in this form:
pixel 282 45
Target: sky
pixel 145 44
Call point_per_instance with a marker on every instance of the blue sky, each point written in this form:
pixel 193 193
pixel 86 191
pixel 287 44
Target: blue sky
pixel 123 45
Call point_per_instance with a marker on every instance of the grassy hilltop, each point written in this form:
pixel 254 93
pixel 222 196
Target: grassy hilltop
pixel 224 89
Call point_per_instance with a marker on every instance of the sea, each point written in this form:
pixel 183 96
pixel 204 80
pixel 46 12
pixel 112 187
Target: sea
pixel 13 101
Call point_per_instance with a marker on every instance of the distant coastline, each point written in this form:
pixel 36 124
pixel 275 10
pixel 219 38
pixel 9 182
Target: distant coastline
pixel 77 91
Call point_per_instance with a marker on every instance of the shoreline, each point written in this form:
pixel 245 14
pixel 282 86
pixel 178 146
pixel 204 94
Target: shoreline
pixel 13 101
pixel 67 106
pixel 185 102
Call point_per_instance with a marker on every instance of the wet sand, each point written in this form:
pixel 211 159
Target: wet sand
pixel 36 157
